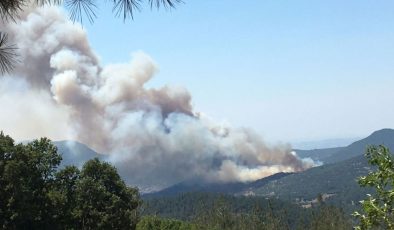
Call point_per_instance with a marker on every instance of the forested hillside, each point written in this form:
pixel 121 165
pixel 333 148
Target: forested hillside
pixel 225 188
pixel 51 193
pixel 215 211
pixel 338 182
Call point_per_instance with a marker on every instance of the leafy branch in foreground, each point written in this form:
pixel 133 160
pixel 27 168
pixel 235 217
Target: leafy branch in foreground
pixel 7 54
pixel 9 9
pixel 379 208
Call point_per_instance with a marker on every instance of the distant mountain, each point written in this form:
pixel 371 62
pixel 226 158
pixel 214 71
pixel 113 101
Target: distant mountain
pixel 332 155
pixel 322 155
pixel 338 176
pixel 337 182
pixel 75 153
pixel 330 178
pixel 337 179
pixel 228 188
pixel 324 144
pixel 380 137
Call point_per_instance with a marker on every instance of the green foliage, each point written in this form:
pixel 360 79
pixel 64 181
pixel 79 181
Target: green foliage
pixel 329 217
pixel 34 194
pixel 378 209
pixel 337 176
pixel 216 211
pixel 103 199
pixel 8 57
pixel 27 175
pixel 157 223
pixel 339 179
pixel 9 9
pixel 220 217
pixel 63 196
pixel 272 218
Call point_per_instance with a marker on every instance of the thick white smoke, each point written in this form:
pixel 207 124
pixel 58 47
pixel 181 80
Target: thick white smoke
pixel 152 135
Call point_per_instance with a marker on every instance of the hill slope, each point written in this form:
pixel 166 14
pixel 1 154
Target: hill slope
pixel 338 179
pixel 380 137
pixel 228 188
pixel 75 153
pixel 332 155
pixel 322 155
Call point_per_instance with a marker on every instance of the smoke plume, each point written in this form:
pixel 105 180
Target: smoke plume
pixel 152 135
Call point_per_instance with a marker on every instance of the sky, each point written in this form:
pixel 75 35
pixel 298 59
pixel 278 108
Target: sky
pixel 218 91
pixel 291 70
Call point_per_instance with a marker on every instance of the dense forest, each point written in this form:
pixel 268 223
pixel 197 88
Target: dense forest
pixel 218 211
pixel 36 193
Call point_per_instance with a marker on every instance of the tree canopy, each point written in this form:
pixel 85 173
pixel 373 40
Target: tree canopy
pixel 378 209
pixel 36 194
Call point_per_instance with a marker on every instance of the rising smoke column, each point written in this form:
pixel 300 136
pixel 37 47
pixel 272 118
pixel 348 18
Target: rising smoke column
pixel 152 135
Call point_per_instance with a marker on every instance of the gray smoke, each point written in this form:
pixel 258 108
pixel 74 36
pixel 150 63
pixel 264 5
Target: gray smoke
pixel 152 135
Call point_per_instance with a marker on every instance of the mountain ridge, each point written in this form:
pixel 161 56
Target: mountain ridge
pixel 337 178
pixel 228 188
pixel 337 154
pixel 342 164
pixel 75 153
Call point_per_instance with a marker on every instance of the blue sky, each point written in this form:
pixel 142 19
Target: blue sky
pixel 291 70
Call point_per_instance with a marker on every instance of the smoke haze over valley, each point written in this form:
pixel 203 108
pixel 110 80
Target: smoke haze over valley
pixel 153 135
